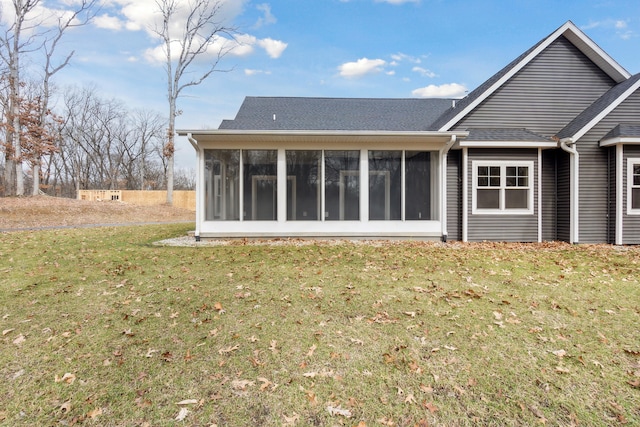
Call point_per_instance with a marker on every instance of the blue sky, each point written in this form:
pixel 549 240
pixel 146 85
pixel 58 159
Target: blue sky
pixel 336 48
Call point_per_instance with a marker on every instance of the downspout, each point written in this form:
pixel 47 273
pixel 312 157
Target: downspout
pixel 568 145
pixel 443 185
pixel 199 184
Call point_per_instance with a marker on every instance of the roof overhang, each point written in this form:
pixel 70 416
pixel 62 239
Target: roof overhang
pixel 250 137
pixel 620 140
pixel 509 144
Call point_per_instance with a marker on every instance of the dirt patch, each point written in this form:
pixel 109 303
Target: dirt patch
pixel 44 211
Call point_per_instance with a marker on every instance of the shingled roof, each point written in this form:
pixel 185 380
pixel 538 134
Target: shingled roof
pixel 350 114
pixel 608 100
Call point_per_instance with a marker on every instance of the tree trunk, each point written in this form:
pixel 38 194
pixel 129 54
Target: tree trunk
pixel 36 179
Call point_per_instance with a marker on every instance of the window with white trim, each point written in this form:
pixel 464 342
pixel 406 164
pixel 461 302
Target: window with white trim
pixel 633 186
pixel 502 187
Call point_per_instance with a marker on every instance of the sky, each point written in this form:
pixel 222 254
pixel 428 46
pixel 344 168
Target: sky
pixel 328 48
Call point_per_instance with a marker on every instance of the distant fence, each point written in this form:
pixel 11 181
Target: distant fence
pixel 181 199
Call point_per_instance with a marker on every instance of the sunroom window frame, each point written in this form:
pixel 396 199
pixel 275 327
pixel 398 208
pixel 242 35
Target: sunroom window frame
pixel 631 162
pixel 503 165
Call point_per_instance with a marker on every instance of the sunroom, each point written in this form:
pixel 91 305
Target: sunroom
pixel 369 184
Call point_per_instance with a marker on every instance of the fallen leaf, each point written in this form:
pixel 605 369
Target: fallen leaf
pixel 410 399
pixel 559 353
pixel 187 402
pixel 333 411
pixel 94 413
pixel 6 331
pixel 431 407
pixel 311 350
pixel 182 414
pixel 292 420
pixel 65 407
pixel 227 350
pixel 241 384
pixel 68 378
pixel 19 340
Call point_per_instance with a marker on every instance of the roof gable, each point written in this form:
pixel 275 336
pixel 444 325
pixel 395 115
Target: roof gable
pixel 591 50
pixel 599 109
pixel 362 114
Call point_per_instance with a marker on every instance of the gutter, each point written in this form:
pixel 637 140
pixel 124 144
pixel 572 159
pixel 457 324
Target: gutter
pixel 199 182
pixel 568 145
pixel 443 185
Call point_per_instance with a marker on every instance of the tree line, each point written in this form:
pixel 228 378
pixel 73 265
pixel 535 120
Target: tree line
pixel 60 140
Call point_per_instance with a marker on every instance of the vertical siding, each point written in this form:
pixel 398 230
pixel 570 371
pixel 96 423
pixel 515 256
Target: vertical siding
pixel 594 181
pixel 545 95
pixel 549 195
pixel 454 195
pixel 631 223
pixel 515 228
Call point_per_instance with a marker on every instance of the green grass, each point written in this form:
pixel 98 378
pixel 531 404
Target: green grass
pixel 398 334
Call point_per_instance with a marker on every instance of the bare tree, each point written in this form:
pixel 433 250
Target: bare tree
pixel 12 47
pixel 199 36
pixel 29 32
pixel 84 11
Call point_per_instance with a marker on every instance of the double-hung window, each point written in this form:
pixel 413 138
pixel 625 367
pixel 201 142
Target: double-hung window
pixel 502 187
pixel 633 186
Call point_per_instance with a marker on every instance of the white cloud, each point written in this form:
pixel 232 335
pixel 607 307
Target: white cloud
pixel 447 90
pixel 620 26
pixel 424 72
pixel 399 57
pixel 268 17
pixel 361 67
pixel 274 48
pixel 108 22
pixel 251 72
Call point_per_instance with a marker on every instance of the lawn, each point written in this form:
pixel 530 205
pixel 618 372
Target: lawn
pixel 101 327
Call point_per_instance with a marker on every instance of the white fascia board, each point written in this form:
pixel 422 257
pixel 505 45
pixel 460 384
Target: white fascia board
pixel 604 113
pixel 579 39
pixel 270 136
pixel 508 144
pixel 620 140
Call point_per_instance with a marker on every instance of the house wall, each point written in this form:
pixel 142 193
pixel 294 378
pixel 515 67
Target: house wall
pixel 503 227
pixel 631 223
pixel 545 95
pixel 611 195
pixel 594 179
pixel 549 195
pixel 454 195
pixel 563 197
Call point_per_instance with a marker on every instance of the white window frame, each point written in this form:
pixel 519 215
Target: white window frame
pixel 503 164
pixel 631 161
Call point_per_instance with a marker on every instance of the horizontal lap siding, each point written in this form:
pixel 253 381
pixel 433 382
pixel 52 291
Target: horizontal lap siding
pixel 549 194
pixel 594 179
pixel 563 200
pixel 454 195
pixel 631 223
pixel 545 95
pixel 514 228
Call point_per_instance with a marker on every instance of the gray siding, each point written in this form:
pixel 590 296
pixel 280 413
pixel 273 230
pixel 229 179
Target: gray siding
pixel 594 180
pixel 563 201
pixel 454 195
pixel 631 223
pixel 549 195
pixel 545 95
pixel 514 228
pixel 611 195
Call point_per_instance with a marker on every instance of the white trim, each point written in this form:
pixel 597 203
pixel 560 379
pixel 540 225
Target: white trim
pixel 503 164
pixel 539 197
pixel 282 184
pixel 465 194
pixel 200 179
pixel 627 140
pixel 568 145
pixel 619 194
pixel 575 36
pixel 604 113
pixel 630 162
pixel 364 185
pixel 508 144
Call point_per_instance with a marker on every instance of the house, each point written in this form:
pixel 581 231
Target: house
pixel 546 149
